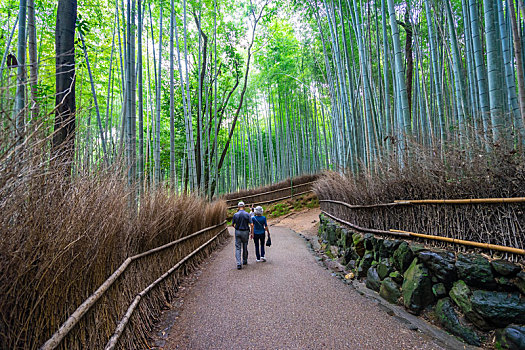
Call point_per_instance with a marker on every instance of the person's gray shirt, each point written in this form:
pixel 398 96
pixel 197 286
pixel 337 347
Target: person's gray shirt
pixel 242 220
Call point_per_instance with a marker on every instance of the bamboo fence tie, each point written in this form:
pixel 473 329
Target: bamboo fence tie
pixel 122 324
pixel 75 317
pixel 465 242
pixel 272 191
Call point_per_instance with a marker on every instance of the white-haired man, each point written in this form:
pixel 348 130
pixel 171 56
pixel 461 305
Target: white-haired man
pixel 242 222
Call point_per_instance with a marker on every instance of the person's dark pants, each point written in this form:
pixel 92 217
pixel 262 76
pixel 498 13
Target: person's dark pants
pixel 258 238
pixel 241 241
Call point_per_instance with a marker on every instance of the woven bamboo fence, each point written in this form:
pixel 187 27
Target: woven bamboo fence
pixel 272 196
pixel 272 193
pixel 119 314
pixel 487 221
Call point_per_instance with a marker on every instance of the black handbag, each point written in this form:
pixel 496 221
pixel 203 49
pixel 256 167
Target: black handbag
pixel 269 241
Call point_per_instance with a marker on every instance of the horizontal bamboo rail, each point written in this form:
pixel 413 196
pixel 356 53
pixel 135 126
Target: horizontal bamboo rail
pixel 464 242
pixel 430 201
pixel 75 317
pixel 464 201
pixel 351 206
pixel 364 229
pixel 274 200
pixel 272 191
pixel 122 324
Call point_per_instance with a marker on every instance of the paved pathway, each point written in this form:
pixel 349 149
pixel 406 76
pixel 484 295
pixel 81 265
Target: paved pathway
pixel 289 302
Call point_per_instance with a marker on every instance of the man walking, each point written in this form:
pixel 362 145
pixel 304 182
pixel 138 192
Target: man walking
pixel 242 222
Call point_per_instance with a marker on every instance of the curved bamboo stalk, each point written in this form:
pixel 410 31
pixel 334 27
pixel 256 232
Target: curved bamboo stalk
pixel 464 242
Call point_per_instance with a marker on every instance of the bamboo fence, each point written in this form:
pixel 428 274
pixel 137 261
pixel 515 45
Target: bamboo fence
pixel 273 200
pixel 272 196
pixel 494 224
pixel 195 239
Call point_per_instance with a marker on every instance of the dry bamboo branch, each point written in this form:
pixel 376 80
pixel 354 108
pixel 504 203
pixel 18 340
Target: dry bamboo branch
pixel 168 245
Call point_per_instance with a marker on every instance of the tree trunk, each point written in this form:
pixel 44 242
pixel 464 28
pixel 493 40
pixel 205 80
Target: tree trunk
pixel 409 59
pixel 519 59
pixel 33 58
pixel 494 74
pixel 64 135
pixel 21 75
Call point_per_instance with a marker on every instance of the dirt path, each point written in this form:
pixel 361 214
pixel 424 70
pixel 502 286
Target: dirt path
pixel 305 221
pixel 289 302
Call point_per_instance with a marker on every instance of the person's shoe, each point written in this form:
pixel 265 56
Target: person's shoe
pixel 263 258
pixel 257 260
pixel 245 263
pixel 239 267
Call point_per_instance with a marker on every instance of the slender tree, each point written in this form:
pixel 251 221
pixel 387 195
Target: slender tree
pixel 65 110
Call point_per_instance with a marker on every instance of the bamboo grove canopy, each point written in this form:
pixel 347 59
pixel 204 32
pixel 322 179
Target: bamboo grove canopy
pixel 215 96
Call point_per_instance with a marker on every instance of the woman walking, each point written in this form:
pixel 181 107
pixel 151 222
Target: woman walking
pixel 259 227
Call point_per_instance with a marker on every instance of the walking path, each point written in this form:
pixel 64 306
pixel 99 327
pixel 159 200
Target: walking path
pixel 289 302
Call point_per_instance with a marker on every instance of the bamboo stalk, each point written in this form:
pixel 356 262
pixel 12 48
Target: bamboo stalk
pixel 122 324
pixel 464 242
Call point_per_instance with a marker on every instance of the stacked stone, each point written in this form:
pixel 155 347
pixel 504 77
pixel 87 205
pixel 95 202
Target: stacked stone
pixel 489 294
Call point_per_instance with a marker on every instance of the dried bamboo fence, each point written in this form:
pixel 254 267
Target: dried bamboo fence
pixel 94 322
pixel 272 196
pixel 486 223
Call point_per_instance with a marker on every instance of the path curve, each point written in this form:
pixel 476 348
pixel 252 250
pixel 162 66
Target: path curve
pixel 289 302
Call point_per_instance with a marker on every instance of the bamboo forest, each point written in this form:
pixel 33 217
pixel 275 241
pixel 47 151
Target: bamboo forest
pixel 212 97
pixel 133 132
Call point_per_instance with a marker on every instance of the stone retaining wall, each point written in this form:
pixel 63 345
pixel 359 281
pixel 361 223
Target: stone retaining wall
pixel 469 295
